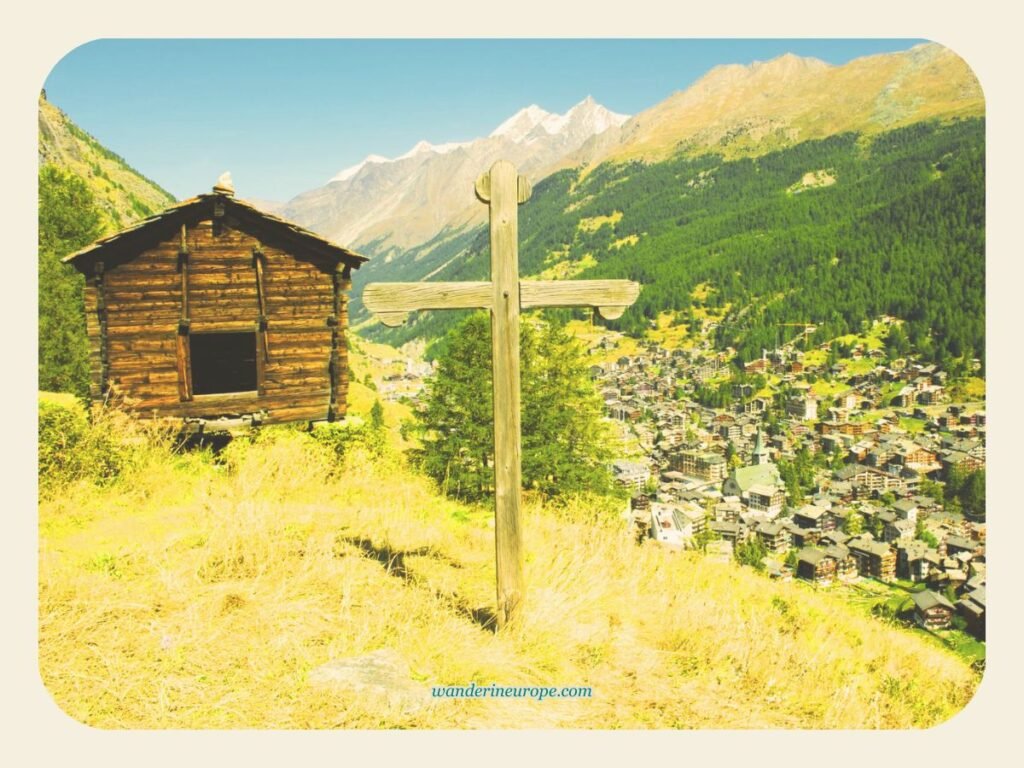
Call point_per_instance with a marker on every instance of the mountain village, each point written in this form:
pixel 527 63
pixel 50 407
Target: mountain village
pixel 710 476
pixel 879 445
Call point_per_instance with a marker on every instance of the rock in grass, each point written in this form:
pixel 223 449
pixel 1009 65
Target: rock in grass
pixel 381 674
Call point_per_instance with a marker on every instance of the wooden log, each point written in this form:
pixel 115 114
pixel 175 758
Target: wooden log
pixel 501 187
pixel 239 402
pixel 261 324
pixel 319 355
pixel 102 320
pixel 183 369
pixel 125 378
pixel 609 297
pixel 392 302
pixel 135 324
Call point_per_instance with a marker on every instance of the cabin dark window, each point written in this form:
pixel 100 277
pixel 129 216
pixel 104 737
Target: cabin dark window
pixel 223 362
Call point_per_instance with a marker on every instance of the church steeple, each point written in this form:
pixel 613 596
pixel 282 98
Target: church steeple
pixel 760 455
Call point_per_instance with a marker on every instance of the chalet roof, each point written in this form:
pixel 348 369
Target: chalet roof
pixel 886 516
pixel 868 546
pixel 127 243
pixel 918 550
pixel 961 543
pixel 974 599
pixel 834 537
pixel 724 526
pixel 928 599
pixel 838 551
pixel 812 555
pixel 811 512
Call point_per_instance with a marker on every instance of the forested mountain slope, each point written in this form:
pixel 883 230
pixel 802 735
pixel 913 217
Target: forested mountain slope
pixel 831 232
pixel 122 194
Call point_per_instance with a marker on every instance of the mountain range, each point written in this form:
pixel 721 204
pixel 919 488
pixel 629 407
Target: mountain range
pixel 384 205
pixel 739 110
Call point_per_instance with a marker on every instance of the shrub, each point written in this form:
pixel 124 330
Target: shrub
pixel 74 446
pixel 61 431
pixel 341 437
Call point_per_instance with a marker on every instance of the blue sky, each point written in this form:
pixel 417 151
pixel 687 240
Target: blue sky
pixel 285 115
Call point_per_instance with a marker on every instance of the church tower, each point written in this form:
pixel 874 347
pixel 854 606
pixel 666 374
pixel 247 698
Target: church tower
pixel 760 455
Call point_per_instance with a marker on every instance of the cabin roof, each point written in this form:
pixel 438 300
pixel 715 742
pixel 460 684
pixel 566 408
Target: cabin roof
pixel 128 242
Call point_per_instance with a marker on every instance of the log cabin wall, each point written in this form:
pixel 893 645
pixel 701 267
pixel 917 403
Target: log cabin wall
pixel 144 312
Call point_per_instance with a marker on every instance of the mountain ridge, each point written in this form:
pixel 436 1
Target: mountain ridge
pixel 747 110
pixel 404 201
pixel 391 208
pixel 122 194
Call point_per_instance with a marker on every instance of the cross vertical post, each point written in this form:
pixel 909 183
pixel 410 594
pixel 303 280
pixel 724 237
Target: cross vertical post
pixel 503 189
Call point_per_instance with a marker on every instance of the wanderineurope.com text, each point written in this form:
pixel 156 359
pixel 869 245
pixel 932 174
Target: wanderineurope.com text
pixel 495 691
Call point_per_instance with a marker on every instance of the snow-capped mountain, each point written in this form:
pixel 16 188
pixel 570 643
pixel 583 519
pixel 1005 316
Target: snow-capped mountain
pixel 406 200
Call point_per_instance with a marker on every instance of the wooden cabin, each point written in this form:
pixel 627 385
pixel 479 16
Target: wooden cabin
pixel 217 313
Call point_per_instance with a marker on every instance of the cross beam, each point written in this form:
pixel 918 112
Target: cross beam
pixel 503 189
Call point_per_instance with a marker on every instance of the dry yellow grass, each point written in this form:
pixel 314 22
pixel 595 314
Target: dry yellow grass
pixel 196 593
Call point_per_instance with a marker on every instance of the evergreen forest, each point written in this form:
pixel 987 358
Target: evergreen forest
pixel 833 232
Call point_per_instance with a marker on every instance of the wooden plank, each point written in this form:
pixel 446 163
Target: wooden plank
pixel 123 304
pixel 391 302
pixel 135 324
pixel 261 324
pixel 103 322
pixel 609 297
pixel 502 192
pixel 289 352
pixel 183 260
pixel 183 369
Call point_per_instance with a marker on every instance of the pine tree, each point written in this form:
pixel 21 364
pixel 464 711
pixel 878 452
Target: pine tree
pixel 68 220
pixel 565 446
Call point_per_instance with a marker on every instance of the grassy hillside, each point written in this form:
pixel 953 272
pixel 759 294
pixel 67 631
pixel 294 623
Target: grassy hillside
pixel 122 193
pixel 191 591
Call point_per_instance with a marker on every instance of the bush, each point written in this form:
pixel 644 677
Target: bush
pixel 341 437
pixel 99 448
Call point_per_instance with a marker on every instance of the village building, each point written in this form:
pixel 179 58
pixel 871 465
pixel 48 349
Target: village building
pixel 867 479
pixel 728 530
pixel 874 559
pixel 676 524
pixel 813 521
pixel 915 560
pixel 631 474
pixel 956 544
pixel 816 566
pixel 972 607
pixel 706 465
pixel 766 499
pixel 666 528
pixel 215 312
pixel 906 509
pixel 804 407
pixel 775 536
pixel 846 564
pixel 761 472
pixel 932 610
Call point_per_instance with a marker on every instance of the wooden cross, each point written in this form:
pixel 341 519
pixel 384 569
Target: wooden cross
pixel 503 188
